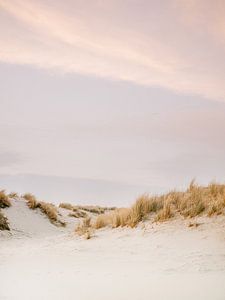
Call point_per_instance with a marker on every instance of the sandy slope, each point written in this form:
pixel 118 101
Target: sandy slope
pixel 166 261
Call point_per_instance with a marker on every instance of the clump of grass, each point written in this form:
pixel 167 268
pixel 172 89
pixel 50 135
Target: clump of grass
pixel 49 209
pixel 143 206
pixel 77 214
pixel 102 221
pixel 130 216
pixel 4 200
pixel 117 218
pixel 217 206
pixel 4 225
pixel 84 228
pixel 195 201
pixel 164 214
pixel 94 209
pixel 13 195
pixel 31 201
pixel 66 206
pixel 194 209
pixel 120 217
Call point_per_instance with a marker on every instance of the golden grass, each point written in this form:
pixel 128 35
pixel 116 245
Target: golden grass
pixel 77 214
pixel 66 206
pixel 164 214
pixel 195 201
pixel 4 200
pixel 94 209
pixel 84 228
pixel 3 222
pixel 31 201
pixel 102 221
pixel 49 209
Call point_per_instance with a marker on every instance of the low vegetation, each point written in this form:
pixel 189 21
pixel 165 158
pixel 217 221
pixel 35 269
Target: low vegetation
pixel 31 201
pixel 4 200
pixel 84 228
pixel 94 209
pixel 78 214
pixel 66 206
pixel 49 209
pixel 195 201
pixel 13 195
pixel 4 225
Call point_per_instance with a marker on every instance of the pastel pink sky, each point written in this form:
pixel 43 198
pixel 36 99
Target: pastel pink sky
pixel 174 44
pixel 104 100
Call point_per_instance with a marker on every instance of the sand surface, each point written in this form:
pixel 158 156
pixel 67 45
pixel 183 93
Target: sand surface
pixel 165 261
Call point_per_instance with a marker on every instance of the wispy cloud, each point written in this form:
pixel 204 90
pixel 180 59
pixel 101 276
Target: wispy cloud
pixel 178 45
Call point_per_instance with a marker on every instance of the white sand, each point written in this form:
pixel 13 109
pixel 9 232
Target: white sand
pixel 166 261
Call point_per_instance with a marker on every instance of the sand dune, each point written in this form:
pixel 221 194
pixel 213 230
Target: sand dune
pixel 171 260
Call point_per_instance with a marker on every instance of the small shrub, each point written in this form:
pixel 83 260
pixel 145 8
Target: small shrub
pixel 4 200
pixel 4 225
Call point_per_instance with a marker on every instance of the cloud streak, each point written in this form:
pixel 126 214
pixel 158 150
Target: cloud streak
pixel 174 46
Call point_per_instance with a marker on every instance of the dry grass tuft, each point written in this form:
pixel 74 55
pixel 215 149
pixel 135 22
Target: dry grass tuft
pixel 66 206
pixel 84 228
pixel 164 214
pixel 81 209
pixel 4 200
pixel 77 214
pixel 116 218
pixel 102 221
pixel 49 209
pixel 130 216
pixel 31 201
pixel 143 206
pixel 4 225
pixel 94 209
pixel 120 217
pixel 13 195
pixel 195 201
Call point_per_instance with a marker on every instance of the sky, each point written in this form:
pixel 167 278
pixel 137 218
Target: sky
pixel 104 100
